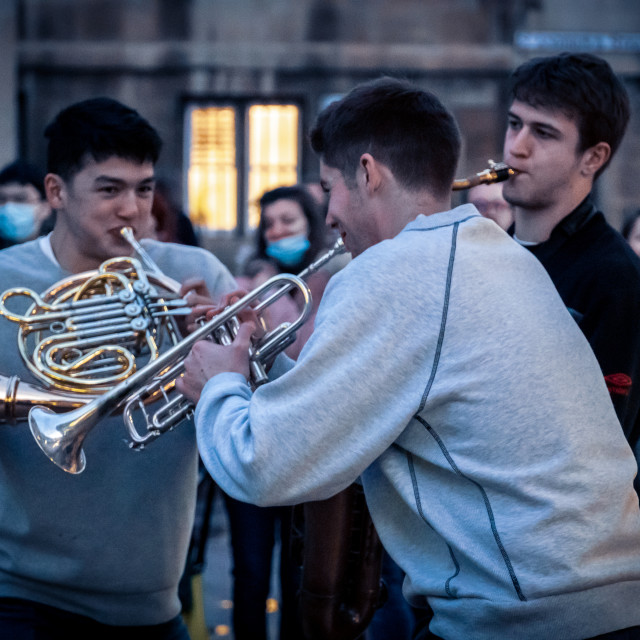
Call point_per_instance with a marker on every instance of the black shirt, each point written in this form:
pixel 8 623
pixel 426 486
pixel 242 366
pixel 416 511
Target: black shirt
pixel 598 277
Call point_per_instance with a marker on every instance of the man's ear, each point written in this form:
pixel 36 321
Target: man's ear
pixel 55 189
pixel 371 172
pixel 594 158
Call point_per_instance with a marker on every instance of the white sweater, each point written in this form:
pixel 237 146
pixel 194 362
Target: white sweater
pixel 446 372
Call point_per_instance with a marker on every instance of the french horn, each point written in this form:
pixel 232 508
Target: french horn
pixel 88 332
pixel 84 336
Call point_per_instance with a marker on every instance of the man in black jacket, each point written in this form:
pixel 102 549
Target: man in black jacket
pixel 567 118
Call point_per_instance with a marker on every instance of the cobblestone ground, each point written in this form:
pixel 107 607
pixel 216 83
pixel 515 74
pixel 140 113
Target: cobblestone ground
pixel 216 582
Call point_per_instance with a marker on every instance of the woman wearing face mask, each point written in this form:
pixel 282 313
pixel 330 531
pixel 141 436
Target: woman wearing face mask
pixel 290 236
pixel 23 207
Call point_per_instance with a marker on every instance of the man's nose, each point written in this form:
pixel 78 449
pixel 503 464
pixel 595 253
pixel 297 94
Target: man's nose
pixel 130 204
pixel 518 144
pixel 330 219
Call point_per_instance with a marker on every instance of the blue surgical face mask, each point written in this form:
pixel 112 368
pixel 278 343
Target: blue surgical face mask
pixel 17 221
pixel 289 251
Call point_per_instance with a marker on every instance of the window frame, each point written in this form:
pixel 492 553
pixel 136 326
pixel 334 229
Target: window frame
pixel 241 105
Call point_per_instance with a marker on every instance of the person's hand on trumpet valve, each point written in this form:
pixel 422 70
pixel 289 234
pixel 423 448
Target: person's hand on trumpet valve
pixel 208 359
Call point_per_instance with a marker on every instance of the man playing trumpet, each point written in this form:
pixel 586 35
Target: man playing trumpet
pixel 445 371
pixel 100 554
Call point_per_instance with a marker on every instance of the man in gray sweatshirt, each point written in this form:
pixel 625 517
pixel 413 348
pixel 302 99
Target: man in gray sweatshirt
pixel 446 373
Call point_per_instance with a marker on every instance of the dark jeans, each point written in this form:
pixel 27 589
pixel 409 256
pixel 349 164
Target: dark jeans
pixel 395 619
pixel 26 620
pixel 253 530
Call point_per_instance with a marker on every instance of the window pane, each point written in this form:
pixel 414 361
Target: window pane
pixel 273 151
pixel 212 176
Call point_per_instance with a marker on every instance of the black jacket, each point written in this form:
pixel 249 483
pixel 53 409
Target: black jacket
pixel 598 278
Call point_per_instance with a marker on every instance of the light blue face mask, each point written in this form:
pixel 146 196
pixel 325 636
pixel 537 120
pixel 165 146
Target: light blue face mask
pixel 289 251
pixel 17 221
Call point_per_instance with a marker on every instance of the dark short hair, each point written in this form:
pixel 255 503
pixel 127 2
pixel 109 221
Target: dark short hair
pixel 404 127
pixel 311 210
pixel 584 88
pixel 23 172
pixel 99 128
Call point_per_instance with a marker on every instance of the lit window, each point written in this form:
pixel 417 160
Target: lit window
pixel 273 152
pixel 212 175
pixel 230 167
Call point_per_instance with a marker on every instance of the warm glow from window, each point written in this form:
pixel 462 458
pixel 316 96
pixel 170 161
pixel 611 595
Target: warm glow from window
pixel 219 170
pixel 213 176
pixel 273 151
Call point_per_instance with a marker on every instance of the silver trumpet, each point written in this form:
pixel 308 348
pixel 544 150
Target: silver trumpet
pixel 61 436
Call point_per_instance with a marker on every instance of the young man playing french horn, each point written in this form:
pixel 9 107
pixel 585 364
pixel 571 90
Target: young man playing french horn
pixel 445 371
pixel 100 554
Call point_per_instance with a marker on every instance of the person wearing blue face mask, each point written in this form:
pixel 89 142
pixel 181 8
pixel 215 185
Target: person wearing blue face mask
pixel 291 229
pixel 23 206
pixel 291 234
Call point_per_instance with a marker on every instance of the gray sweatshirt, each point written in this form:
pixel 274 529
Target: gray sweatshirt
pixel 111 542
pixel 446 372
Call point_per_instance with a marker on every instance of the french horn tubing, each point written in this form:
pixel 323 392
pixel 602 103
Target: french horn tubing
pixel 86 333
pixel 60 436
pixel 19 397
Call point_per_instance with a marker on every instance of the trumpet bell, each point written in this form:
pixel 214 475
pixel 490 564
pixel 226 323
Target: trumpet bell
pixel 62 445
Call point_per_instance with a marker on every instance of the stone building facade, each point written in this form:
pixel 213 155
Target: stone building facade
pixel 157 55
